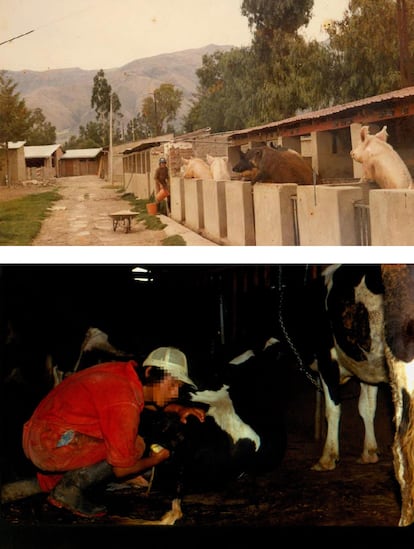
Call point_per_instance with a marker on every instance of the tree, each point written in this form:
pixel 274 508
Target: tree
pixel 281 74
pixel 136 129
pixel 89 137
pixel 103 100
pixel 267 15
pixel 101 97
pixel 160 109
pixel 226 90
pixel 14 115
pixel 365 45
pixel 41 132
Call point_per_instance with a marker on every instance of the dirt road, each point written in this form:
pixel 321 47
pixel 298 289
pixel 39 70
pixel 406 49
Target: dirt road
pixel 82 217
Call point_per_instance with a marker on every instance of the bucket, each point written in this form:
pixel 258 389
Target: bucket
pixel 152 208
pixel 161 195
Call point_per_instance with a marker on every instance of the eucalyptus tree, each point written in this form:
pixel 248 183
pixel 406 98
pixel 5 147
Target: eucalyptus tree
pixel 159 109
pixel 41 131
pixel 106 104
pixel 366 47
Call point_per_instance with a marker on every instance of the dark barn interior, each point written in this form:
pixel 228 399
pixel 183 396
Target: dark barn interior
pixel 212 313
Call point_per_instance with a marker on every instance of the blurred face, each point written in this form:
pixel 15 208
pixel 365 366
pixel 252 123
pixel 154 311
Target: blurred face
pixel 165 390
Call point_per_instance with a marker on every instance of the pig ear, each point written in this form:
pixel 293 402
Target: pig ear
pixel 382 134
pixel 364 132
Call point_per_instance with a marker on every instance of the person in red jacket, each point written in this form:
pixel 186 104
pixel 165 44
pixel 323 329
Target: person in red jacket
pixel 87 428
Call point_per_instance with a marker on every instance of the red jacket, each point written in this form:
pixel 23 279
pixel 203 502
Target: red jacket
pixel 103 402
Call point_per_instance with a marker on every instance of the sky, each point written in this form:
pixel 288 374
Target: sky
pixel 95 34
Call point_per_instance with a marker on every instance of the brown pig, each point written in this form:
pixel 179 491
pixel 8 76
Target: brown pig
pixel 381 162
pixel 279 165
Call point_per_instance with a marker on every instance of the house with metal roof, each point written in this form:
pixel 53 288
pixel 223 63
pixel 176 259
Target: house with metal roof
pixel 42 161
pixel 81 162
pixel 12 164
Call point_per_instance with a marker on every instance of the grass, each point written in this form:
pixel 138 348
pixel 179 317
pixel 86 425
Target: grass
pixel 21 218
pixel 174 240
pixel 152 222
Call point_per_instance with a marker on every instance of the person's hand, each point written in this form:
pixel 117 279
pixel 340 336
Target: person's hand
pixel 197 412
pixel 159 455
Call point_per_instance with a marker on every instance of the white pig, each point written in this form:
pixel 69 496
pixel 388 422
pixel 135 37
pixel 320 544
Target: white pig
pixel 381 163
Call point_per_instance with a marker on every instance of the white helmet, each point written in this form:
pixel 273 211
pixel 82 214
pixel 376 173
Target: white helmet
pixel 172 361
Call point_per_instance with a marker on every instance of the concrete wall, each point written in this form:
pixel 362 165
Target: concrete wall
pixel 392 217
pixel 177 199
pixel 215 214
pixel 274 214
pixel 326 215
pixel 193 204
pixel 237 213
pixel 138 184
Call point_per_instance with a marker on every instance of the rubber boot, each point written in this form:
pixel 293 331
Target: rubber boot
pixel 68 493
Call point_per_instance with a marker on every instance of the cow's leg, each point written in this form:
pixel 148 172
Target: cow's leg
pixel 399 352
pixel 330 453
pixel 367 405
pixel 402 384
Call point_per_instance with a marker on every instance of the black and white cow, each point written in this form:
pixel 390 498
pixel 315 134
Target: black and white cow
pixel 398 283
pixel 244 431
pixel 351 344
pixel 365 329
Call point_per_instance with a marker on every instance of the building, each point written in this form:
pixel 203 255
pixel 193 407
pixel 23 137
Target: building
pixel 81 162
pixel 12 164
pixel 42 161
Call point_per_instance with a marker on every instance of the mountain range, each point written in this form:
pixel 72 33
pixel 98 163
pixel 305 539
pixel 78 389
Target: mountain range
pixel 64 95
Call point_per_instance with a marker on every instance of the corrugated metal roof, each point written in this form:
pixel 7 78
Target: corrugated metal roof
pixel 149 143
pixel 81 153
pixel 329 111
pixel 40 151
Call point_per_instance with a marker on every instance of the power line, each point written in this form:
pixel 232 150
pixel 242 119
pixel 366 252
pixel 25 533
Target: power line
pixel 53 21
pixel 16 37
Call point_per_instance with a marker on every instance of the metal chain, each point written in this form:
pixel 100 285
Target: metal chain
pixel 315 381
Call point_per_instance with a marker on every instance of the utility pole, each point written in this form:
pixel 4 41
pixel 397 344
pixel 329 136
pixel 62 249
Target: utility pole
pixel 110 157
pixel 403 42
pixel 155 113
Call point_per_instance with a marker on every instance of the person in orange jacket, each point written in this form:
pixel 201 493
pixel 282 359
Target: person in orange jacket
pixel 87 428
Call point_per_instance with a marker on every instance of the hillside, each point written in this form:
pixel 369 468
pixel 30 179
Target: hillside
pixel 64 95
